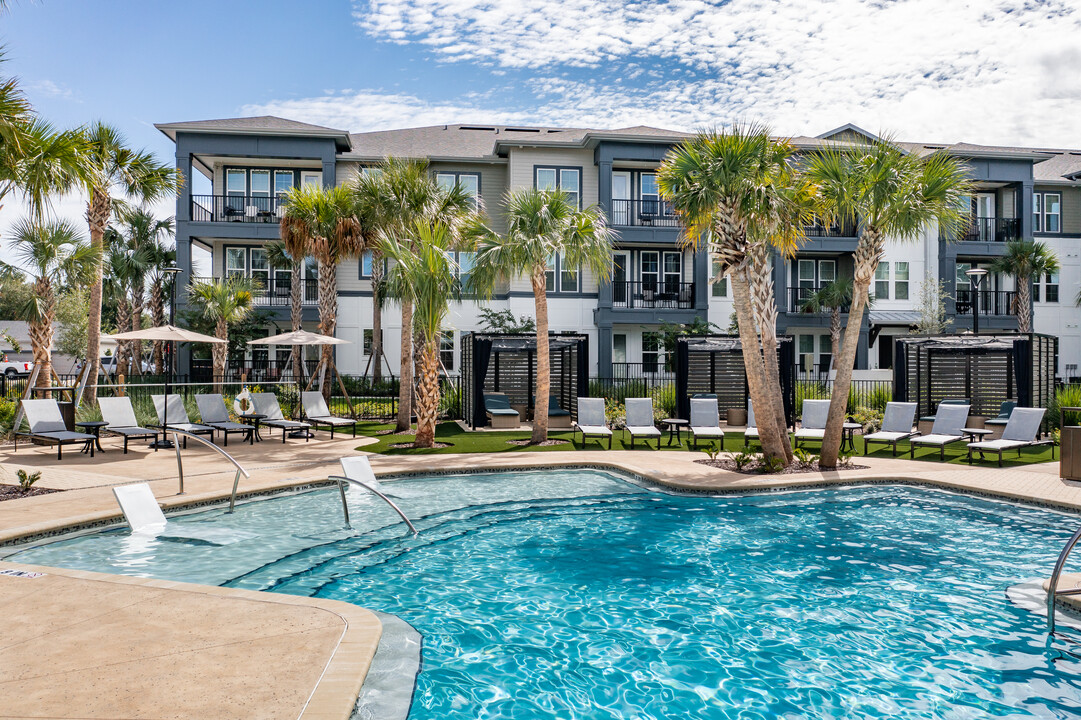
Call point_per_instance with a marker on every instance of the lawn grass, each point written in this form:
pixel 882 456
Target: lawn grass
pixel 461 441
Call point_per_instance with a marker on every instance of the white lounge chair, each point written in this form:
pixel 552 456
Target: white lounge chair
pixel 640 423
pixel 266 404
pixel 357 467
pixel 813 423
pixel 751 431
pixel 212 412
pixel 118 412
pixel 705 422
pixel 949 428
pixel 177 417
pixel 317 413
pixel 591 422
pixel 897 425
pixel 47 424
pixel 144 517
pixel 1021 431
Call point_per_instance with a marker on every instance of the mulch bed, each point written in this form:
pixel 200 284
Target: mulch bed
pixel 754 468
pixel 400 446
pixel 14 492
pixel 523 443
pixel 388 431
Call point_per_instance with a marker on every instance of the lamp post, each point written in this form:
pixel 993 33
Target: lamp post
pixel 170 272
pixel 975 276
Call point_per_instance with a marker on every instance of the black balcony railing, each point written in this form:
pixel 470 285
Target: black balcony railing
pixel 237 208
pixel 648 213
pixel 988 229
pixel 653 294
pixel 846 229
pixel 799 301
pixel 276 291
pixel 991 302
pixel 654 367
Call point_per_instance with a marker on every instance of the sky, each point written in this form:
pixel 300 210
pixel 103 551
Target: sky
pixel 990 72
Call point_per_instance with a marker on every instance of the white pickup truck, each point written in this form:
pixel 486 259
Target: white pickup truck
pixel 14 369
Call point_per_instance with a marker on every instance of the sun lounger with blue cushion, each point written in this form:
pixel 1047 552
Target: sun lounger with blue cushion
pixel 501 415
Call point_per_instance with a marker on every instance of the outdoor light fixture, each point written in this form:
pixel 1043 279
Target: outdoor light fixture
pixel 975 276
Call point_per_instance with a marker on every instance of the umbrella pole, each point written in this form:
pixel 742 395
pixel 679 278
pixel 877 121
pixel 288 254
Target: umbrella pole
pixel 165 443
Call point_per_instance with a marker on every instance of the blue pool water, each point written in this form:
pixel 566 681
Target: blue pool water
pixel 574 594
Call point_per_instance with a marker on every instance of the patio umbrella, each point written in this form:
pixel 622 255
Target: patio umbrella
pixel 303 337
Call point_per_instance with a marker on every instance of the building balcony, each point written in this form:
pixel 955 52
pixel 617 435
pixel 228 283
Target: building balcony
pixel 837 229
pixel 798 301
pixel 643 213
pixel 237 208
pixel 988 229
pixel 989 302
pixel 652 295
pixel 275 292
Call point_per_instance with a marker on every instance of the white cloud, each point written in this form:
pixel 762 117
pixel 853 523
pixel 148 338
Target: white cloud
pixel 50 88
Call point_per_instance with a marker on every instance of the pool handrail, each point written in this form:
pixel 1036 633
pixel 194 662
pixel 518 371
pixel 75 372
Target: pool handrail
pixel 1052 587
pixel 345 506
pixel 180 462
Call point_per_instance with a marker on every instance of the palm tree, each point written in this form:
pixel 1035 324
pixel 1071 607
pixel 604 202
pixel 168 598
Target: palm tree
pixel 893 194
pixel 55 256
pixel 116 288
pixel 424 271
pixel 143 236
pixel 161 257
pixel 223 302
pixel 321 220
pixel 393 202
pixel 1026 260
pixel 295 247
pixel 541 224
pixel 833 298
pixel 107 164
pixel 735 191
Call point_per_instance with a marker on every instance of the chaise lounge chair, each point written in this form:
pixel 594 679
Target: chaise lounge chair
pixel 267 404
pixel 500 414
pixel 1020 432
pixel 949 428
pixel 998 424
pixel 813 423
pixel 896 426
pixel 751 431
pixel 705 422
pixel 145 517
pixel 357 467
pixel 591 422
pixel 177 418
pixel 118 412
pixel 318 414
pixel 558 418
pixel 213 412
pixel 47 425
pixel 640 423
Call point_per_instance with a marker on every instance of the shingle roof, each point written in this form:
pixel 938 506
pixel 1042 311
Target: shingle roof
pixel 261 122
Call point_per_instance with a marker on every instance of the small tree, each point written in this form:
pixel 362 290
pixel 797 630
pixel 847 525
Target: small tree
pixel 504 321
pixel 224 302
pixel 1026 261
pixel 932 307
pixel 71 320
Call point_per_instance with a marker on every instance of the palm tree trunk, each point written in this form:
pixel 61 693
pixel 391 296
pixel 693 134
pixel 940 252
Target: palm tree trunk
pixel 97 215
pixel 137 296
pixel 405 381
pixel 427 393
pixel 123 347
pixel 768 432
pixel 296 315
pixel 765 310
pixel 220 353
pixel 377 317
pixel 865 260
pixel 157 313
pixel 544 370
pixel 328 318
pixel 835 335
pixel 1024 304
pixel 41 334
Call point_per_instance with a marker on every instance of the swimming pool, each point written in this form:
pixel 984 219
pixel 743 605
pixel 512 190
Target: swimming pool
pixel 577 594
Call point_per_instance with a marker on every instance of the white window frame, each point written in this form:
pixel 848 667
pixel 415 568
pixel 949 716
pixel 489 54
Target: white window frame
pixel 1047 214
pixel 882 278
pixel 283 173
pixel 654 276
pixel 899 282
pixel 308 176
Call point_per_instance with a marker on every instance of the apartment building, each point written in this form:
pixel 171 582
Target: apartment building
pixel 240 167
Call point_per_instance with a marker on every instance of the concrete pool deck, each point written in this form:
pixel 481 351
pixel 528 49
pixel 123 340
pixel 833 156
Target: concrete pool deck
pixel 88 500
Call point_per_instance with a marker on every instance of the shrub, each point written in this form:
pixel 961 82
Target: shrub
pixel 664 401
pixel 744 457
pixel 26 480
pixel 8 408
pixel 869 418
pixel 1065 396
pixel 615 413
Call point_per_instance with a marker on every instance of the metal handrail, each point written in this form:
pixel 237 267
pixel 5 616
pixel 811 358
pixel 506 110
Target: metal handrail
pixel 366 486
pixel 180 462
pixel 1052 587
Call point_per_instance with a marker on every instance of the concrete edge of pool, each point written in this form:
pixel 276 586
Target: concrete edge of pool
pixel 335 691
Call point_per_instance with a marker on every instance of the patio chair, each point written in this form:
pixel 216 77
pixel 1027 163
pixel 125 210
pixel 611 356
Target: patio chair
pixel 896 426
pixel 118 412
pixel 949 428
pixel 177 418
pixel 500 414
pixel 357 467
pixel 705 421
pixel 47 425
pixel 751 431
pixel 927 420
pixel 591 422
pixel 267 404
pixel 813 423
pixel 1020 433
pixel 640 423
pixel 144 517
pixel 558 418
pixel 318 414
pixel 213 412
pixel 998 424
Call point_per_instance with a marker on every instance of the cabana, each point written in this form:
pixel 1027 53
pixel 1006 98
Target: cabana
pixel 713 364
pixel 985 370
pixel 507 364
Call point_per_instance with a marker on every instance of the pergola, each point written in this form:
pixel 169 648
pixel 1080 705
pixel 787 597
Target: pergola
pixel 713 364
pixel 507 363
pixel 984 369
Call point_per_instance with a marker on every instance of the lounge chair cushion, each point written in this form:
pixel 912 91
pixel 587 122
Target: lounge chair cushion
pixel 640 417
pixel 64 435
pixel 594 430
pixel 934 439
pixel 999 444
pixel 707 431
pixel 886 436
pixel 131 431
pixel 331 420
pixel 810 434
pixel 643 430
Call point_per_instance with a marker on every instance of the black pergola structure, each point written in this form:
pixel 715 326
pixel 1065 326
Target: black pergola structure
pixel 507 363
pixel 714 364
pixel 985 369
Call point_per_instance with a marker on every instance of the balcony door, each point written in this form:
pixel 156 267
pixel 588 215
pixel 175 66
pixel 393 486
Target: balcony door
pixel 984 205
pixel 621 198
pixel 620 273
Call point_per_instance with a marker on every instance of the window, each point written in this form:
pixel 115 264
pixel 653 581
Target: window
pixel 673 271
pixel 1052 212
pixel 470 182
pixel 882 281
pixel 651 197
pixel 550 275
pixel 311 177
pixel 236 261
pixel 260 267
pixel 619 348
pixel 652 352
pixel 369 338
pixel 283 182
pixel 900 281
pixel 806 353
pixel 569 180
pixel 465 268
pixel 260 183
pixel 446 350
pixel 720 284
pixel 366 264
pixel 568 276
pixel 1050 288
pixel 1037 212
pixel 825 351
pixel 827 272
pixel 236 182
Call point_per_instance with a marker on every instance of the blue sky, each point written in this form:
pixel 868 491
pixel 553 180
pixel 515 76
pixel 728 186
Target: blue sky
pixel 994 71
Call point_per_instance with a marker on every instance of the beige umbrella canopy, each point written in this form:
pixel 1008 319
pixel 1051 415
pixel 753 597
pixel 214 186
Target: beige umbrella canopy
pixel 169 333
pixel 299 337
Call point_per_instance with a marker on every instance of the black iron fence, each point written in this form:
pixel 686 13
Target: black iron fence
pixel 277 291
pixel 647 212
pixel 653 294
pixel 237 208
pixel 989 302
pixel 989 229
pixel 799 301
